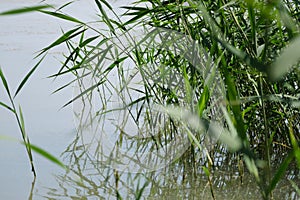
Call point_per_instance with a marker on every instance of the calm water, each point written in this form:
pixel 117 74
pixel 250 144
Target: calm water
pixel 54 130
pixel 48 126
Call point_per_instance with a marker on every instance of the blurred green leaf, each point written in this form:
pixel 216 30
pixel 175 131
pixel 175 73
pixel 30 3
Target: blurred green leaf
pixel 46 155
pixel 281 171
pixel 250 163
pixel 22 123
pixel 202 103
pixel 206 171
pixel 286 60
pixel 295 187
pixel 25 10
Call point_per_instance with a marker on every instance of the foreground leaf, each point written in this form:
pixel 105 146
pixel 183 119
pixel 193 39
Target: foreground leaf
pixel 27 77
pixel 61 16
pixel 4 83
pixel 6 106
pixel 25 10
pixel 281 171
pixel 47 155
pixel 289 57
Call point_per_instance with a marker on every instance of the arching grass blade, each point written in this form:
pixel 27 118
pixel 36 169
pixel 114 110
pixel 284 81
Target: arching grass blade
pixel 25 10
pixel 27 77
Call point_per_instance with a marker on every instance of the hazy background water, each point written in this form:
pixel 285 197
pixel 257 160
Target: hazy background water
pixel 47 126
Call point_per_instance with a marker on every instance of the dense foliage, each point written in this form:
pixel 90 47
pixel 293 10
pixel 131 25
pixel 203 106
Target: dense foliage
pixel 234 62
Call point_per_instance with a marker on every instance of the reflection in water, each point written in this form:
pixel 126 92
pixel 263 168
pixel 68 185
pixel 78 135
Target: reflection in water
pixel 120 147
pixel 93 175
pixel 87 179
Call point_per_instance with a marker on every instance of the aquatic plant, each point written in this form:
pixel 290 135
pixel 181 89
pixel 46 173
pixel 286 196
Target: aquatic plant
pixel 223 71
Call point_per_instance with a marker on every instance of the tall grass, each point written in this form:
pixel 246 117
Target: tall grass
pixel 232 66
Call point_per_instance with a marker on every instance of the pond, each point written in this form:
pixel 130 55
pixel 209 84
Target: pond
pixel 55 129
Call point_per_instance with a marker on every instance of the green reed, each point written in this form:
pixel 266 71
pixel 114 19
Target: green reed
pixel 249 46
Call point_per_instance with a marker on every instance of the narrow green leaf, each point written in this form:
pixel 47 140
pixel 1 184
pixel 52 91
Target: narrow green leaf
pixel 206 171
pixel 281 171
pixel 203 101
pixel 70 83
pixel 137 101
pixel 250 163
pixel 6 106
pixel 107 4
pixel 138 16
pixel 46 155
pixel 8 138
pixel 234 98
pixel 61 16
pixel 27 77
pixel 106 18
pixel 65 5
pixel 25 10
pixel 289 57
pixel 65 37
pixel 22 122
pixel 5 83
pixel 87 41
pixel 84 92
pixel 297 156
pixel 115 63
pixel 134 8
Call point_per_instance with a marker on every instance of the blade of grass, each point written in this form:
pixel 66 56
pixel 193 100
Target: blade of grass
pixel 65 37
pixel 62 16
pixel 202 103
pixel 21 124
pixel 27 77
pixel 25 10
pixel 87 41
pixel 46 155
pixel 105 17
pixel 7 107
pixel 84 92
pixel 5 83
pixel 280 172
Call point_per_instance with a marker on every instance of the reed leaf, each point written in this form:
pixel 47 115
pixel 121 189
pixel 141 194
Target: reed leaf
pixel 25 10
pixel 46 155
pixel 62 16
pixel 7 107
pixel 90 89
pixel 280 172
pixel 27 76
pixel 5 84
pixel 105 17
pixel 65 37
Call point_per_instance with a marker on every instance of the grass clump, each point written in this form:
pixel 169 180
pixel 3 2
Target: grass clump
pixel 232 65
